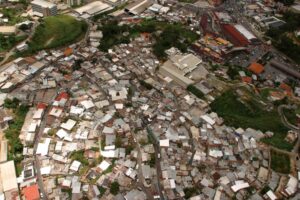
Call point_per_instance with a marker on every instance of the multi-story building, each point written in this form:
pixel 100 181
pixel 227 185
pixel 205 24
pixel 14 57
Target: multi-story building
pixel 43 8
pixel 73 2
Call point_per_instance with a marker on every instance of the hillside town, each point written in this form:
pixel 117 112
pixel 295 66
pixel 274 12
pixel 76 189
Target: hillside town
pixel 146 100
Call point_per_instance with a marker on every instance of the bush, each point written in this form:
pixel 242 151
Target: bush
pixel 11 104
pixel 114 188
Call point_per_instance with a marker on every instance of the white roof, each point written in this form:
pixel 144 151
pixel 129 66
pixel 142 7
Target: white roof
pixel 43 148
pixel 119 106
pixel 291 187
pixel 87 104
pixel 7 29
pixel 61 133
pixel 271 195
pixel 8 176
pixel 104 165
pixel 68 125
pixel 244 32
pixel 164 143
pixel 75 165
pixel 45 170
pixel 58 146
pixel 38 114
pixel 32 127
pixel 76 110
pixel 208 119
pixel 239 185
pixel 42 3
pixel 109 154
pixel 108 130
pixel 93 8
pixel 106 118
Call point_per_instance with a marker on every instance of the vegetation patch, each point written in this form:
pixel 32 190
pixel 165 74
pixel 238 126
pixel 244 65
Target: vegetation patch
pixel 280 162
pixel 79 156
pixel 248 113
pixel 114 188
pixel 291 115
pixel 13 131
pixel 194 90
pixel 13 15
pixel 8 42
pixel 280 37
pixel 171 35
pixel 57 31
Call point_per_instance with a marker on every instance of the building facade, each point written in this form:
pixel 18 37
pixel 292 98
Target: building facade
pixel 43 8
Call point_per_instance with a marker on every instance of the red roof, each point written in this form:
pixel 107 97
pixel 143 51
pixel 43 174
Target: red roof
pixel 234 35
pixel 68 51
pixel 31 193
pixel 247 79
pixel 41 106
pixel 288 90
pixel 62 95
pixel 256 68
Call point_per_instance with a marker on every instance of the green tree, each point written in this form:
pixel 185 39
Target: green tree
pixel 114 188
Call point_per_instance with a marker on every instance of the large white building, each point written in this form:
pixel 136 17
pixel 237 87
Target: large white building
pixel 178 66
pixel 43 8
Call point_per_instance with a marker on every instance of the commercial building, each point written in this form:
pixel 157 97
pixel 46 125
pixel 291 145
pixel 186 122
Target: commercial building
pixel 72 2
pixel 43 8
pixel 179 65
pixel 93 9
pixel 137 7
pixel 234 35
pixel 9 185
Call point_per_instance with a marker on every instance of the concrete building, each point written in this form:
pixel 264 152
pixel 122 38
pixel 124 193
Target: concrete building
pixel 43 8
pixel 72 2
pixel 93 8
pixel 179 65
pixel 137 7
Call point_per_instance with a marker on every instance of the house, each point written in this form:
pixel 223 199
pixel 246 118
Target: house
pixel 31 192
pixel 256 68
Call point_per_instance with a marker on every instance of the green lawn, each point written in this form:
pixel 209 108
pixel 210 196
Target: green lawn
pixel 280 162
pixel 57 31
pixel 250 114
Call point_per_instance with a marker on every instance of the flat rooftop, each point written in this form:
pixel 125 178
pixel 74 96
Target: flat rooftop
pixel 7 29
pixel 94 8
pixel 43 3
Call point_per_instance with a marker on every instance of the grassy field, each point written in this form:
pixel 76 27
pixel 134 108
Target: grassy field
pixel 57 31
pixel 291 115
pixel 280 162
pixel 249 113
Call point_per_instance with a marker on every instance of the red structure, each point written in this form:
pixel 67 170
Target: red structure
pixel 234 35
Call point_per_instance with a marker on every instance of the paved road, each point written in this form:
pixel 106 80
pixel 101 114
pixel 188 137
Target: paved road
pixel 36 157
pixel 290 126
pixel 141 181
pixel 157 163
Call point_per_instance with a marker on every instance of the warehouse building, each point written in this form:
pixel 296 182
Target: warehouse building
pixel 234 36
pixel 138 7
pixel 92 9
pixel 178 66
pixel 43 8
